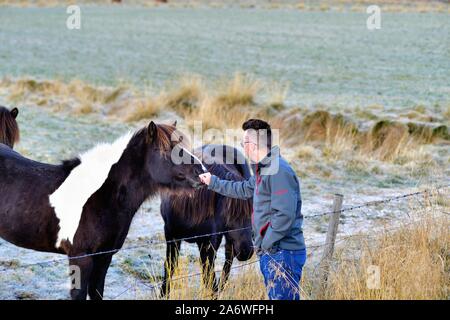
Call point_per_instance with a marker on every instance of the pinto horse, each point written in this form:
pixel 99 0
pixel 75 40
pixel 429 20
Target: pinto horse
pixel 9 130
pixel 85 205
pixel 203 212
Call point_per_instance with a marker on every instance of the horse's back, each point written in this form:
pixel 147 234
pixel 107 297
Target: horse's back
pixel 11 160
pixel 19 174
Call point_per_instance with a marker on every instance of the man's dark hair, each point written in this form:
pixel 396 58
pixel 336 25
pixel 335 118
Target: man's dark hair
pixel 257 125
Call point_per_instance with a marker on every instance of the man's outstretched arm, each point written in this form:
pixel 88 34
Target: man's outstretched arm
pixel 233 189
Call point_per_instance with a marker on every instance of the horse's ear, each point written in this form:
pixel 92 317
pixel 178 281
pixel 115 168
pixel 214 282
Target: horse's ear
pixel 152 132
pixel 174 124
pixel 14 112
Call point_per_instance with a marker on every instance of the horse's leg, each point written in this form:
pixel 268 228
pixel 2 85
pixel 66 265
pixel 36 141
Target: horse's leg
pixel 81 270
pixel 171 263
pixel 98 275
pixel 207 258
pixel 229 256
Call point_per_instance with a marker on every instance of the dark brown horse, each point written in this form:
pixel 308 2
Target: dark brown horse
pixel 9 130
pixel 203 212
pixel 85 205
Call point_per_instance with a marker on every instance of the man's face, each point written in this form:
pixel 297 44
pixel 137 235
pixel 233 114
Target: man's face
pixel 250 146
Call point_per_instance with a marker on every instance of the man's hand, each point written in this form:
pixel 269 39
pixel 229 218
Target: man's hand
pixel 205 178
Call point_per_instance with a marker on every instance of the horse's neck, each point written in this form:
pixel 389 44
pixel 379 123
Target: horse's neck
pixel 129 184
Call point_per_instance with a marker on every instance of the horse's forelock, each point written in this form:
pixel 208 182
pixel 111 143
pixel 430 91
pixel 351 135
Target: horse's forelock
pixel 168 136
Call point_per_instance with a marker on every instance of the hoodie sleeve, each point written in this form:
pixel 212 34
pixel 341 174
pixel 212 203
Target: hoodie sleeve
pixel 234 189
pixel 283 205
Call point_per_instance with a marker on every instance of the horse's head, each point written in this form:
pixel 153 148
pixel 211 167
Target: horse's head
pixel 9 130
pixel 241 240
pixel 168 161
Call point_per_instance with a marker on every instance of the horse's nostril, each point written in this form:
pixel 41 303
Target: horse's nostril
pixel 244 255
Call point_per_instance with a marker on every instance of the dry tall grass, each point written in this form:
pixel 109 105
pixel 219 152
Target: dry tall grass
pixel 414 263
pixel 184 94
pixel 336 136
pixel 247 284
pixel 238 91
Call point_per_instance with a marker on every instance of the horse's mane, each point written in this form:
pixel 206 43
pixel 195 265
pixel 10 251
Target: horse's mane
pixel 199 205
pixel 167 137
pixel 9 130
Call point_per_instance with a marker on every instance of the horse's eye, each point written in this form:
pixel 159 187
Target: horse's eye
pixel 180 176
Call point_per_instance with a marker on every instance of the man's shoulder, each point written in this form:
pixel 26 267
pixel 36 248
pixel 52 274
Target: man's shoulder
pixel 285 167
pixel 283 172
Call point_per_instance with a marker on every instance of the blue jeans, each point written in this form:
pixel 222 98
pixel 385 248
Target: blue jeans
pixel 282 272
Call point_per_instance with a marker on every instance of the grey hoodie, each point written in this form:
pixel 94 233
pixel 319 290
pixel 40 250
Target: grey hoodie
pixel 275 188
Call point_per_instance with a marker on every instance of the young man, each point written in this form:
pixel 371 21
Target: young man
pixel 277 218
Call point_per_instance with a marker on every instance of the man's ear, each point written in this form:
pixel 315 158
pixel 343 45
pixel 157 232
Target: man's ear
pixel 14 112
pixel 152 132
pixel 174 124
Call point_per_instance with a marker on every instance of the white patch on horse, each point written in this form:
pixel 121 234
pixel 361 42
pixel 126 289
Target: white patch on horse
pixel 84 180
pixel 196 158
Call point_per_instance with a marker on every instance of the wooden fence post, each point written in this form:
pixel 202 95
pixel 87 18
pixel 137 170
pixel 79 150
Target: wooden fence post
pixel 327 257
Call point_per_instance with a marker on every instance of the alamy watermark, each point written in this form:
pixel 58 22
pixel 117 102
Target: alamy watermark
pixel 374 20
pixel 75 277
pixel 216 153
pixel 373 280
pixel 73 21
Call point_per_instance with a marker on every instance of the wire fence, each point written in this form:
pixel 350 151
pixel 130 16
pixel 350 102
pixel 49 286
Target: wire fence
pixel 313 246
